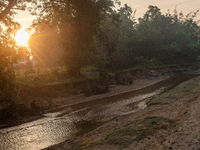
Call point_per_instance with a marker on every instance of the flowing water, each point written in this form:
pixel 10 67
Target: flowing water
pixel 64 123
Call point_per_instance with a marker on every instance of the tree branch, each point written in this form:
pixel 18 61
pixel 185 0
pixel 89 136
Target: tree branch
pixel 11 4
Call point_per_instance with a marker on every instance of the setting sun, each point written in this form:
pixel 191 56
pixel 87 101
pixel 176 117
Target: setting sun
pixel 22 37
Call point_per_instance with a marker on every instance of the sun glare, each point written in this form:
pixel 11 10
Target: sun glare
pixel 22 37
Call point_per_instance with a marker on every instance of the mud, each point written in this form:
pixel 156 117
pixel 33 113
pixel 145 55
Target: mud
pixel 73 120
pixel 180 104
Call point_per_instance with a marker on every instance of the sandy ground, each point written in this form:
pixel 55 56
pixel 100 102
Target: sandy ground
pixel 181 104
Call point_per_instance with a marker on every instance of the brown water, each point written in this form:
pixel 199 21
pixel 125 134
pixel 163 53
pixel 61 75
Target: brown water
pixel 64 123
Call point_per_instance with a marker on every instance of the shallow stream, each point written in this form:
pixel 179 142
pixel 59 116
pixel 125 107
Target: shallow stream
pixel 67 122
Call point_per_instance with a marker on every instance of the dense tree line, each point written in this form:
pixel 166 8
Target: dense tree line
pixel 169 38
pixel 98 34
pixel 155 39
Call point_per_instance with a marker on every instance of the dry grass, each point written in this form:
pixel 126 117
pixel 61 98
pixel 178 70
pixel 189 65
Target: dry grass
pixel 137 131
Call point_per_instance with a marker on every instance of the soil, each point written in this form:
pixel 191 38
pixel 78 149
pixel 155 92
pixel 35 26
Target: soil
pixel 181 105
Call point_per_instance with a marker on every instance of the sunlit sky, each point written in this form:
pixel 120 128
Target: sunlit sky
pixel 186 6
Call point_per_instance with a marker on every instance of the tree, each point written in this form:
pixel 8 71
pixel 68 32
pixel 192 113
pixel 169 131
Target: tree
pixel 7 47
pixel 118 28
pixel 77 23
pixel 167 38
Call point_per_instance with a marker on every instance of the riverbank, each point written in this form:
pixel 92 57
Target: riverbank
pixel 171 121
pixel 27 111
pixel 34 110
pixel 147 78
pixel 36 102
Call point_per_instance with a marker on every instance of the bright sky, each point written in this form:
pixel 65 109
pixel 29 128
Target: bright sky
pixel 25 19
pixel 185 6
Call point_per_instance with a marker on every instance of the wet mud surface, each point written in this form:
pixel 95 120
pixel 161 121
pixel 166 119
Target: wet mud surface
pixel 180 105
pixel 76 119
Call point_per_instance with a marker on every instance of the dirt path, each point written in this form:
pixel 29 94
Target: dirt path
pixel 172 121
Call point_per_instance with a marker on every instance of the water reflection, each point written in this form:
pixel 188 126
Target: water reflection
pixel 62 124
pixel 38 134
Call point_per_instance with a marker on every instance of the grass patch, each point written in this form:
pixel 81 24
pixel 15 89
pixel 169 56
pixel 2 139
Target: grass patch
pixel 51 76
pixel 187 88
pixel 33 84
pixel 137 131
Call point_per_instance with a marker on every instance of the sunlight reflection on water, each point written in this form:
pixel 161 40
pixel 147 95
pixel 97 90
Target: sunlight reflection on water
pixel 59 126
pixel 62 124
pixel 38 134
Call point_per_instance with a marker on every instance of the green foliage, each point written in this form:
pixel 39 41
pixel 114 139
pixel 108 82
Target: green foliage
pixel 76 24
pixel 156 40
pixel 53 76
pixel 8 52
pixel 109 39
pixel 117 28
pixel 168 38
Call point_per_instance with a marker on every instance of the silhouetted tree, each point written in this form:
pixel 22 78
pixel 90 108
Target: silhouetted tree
pixel 7 47
pixel 77 23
